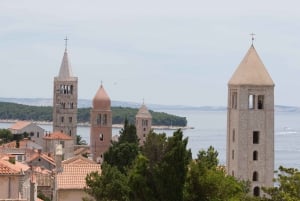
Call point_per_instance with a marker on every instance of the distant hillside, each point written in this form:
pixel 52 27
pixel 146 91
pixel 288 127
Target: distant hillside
pixel 44 113
pixel 84 103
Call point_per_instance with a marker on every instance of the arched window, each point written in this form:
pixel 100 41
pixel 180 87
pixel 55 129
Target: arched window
pixel 255 155
pixel 255 176
pixel 256 191
pixel 233 135
pixel 101 137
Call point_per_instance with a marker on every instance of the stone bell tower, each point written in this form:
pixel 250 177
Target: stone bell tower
pixel 143 123
pixel 101 125
pixel 250 123
pixel 65 99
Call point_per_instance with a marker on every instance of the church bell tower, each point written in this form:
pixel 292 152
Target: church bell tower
pixel 65 99
pixel 250 123
pixel 101 125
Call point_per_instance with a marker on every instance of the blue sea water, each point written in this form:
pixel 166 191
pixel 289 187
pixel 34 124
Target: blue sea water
pixel 210 129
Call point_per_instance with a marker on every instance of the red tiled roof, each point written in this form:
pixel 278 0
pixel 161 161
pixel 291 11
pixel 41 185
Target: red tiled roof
pixel 43 156
pixel 7 168
pixel 57 136
pixel 19 125
pixel 75 171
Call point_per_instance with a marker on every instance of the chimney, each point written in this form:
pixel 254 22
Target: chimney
pixel 58 158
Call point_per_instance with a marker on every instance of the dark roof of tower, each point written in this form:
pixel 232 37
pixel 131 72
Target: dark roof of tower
pixel 101 99
pixel 251 71
pixel 65 71
pixel 143 112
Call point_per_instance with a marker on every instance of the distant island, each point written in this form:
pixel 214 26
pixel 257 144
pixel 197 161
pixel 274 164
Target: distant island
pixel 13 111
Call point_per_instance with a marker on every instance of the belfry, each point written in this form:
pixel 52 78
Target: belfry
pixel 250 123
pixel 65 99
pixel 101 125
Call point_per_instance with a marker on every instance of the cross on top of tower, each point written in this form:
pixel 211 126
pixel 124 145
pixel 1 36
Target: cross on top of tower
pixel 252 37
pixel 66 43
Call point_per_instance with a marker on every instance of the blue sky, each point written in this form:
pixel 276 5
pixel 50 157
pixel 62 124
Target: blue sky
pixel 165 52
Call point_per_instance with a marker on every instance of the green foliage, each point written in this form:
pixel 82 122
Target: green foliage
pixel 208 159
pixel 5 136
pixel 111 185
pixel 122 153
pixel 42 113
pixel 207 181
pixel 288 189
pixel 43 196
pixel 80 141
pixel 128 133
pixel 161 174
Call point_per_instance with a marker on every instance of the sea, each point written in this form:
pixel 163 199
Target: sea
pixel 209 129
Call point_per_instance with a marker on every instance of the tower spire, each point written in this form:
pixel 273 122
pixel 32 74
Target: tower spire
pixel 66 43
pixel 252 37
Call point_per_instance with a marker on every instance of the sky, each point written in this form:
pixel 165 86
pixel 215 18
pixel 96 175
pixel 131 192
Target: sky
pixel 166 52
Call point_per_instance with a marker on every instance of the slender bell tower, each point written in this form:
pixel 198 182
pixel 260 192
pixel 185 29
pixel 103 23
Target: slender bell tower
pixel 65 99
pixel 101 125
pixel 250 123
pixel 143 123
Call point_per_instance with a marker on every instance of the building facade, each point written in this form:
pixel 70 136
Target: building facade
pixel 250 123
pixel 143 123
pixel 65 99
pixel 101 125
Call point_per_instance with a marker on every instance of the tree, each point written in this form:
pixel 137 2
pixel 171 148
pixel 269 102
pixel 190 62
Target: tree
pixel 207 181
pixel 128 133
pixel 288 181
pixel 122 153
pixel 111 185
pixel 161 174
pixel 5 136
pixel 80 141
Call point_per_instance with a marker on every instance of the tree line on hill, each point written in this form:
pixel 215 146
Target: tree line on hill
pixel 163 170
pixel 44 113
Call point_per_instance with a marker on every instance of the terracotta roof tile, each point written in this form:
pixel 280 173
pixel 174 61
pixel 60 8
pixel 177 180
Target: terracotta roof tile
pixel 8 168
pixel 19 125
pixel 57 135
pixel 75 171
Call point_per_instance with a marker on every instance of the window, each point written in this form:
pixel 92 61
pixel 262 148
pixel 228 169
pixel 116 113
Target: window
pixel 38 134
pixel 232 154
pixel 255 176
pixel 32 134
pixel 101 137
pixel 70 132
pixel 233 135
pixel 234 100
pixel 260 102
pixel 251 101
pixel 255 137
pixel 70 119
pixel 104 119
pixel 62 119
pixel 255 155
pixel 232 173
pixel 256 191
pixel 62 144
pixel 98 119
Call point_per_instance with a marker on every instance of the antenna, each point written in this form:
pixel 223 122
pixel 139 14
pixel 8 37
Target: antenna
pixel 252 37
pixel 66 43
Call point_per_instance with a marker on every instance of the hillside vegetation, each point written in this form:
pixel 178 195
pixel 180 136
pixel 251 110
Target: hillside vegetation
pixel 44 113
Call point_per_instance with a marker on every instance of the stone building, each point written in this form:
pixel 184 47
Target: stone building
pixel 35 132
pixel 53 139
pixel 70 182
pixel 101 125
pixel 250 123
pixel 143 123
pixel 65 100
